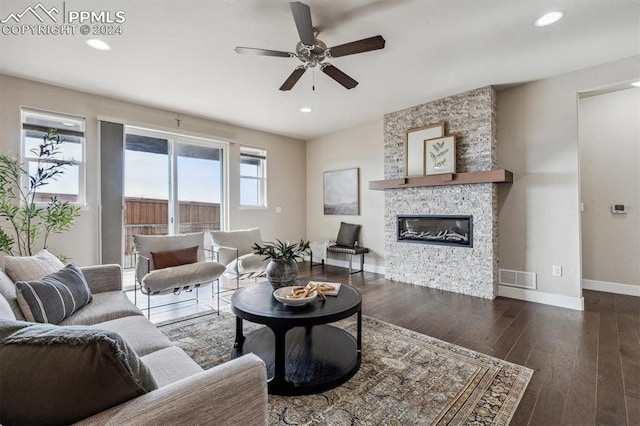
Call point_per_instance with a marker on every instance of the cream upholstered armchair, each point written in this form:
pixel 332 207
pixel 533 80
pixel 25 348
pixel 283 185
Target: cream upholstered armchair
pixel 234 249
pixel 168 264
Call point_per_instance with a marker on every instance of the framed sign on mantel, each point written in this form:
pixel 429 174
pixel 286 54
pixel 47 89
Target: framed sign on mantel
pixel 414 147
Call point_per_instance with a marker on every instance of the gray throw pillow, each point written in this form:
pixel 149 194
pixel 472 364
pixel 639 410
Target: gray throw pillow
pixel 54 297
pixel 348 235
pixel 59 375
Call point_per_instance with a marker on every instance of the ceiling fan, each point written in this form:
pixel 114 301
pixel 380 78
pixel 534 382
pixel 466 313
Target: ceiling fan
pixel 312 52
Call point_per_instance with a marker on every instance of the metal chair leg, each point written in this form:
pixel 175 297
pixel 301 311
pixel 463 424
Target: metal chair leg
pixel 361 264
pixel 149 305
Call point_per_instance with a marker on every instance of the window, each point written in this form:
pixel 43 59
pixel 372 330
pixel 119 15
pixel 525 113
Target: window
pixel 69 186
pixel 253 177
pixel 173 184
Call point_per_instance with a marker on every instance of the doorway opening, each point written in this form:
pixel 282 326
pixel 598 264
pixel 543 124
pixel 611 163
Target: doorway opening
pixel 173 184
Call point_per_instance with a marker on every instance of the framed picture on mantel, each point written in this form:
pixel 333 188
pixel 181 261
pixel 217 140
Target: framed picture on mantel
pixel 414 154
pixel 440 155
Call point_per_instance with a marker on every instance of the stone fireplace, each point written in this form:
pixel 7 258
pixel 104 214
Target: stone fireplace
pixel 469 269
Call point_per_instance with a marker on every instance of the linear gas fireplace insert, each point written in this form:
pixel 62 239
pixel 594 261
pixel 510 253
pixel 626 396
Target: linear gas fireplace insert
pixel 436 229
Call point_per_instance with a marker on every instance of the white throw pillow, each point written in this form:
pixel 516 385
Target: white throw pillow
pixel 29 268
pixel 247 264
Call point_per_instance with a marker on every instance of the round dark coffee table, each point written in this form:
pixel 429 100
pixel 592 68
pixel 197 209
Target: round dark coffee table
pixel 302 352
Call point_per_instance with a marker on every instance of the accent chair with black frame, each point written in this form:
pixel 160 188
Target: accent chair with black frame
pixel 171 264
pixel 346 243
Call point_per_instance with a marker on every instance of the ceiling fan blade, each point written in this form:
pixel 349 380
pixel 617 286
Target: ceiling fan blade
pixel 339 76
pixel 293 79
pixel 262 52
pixel 360 46
pixel 302 17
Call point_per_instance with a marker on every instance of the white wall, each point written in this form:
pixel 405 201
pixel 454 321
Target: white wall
pixel 361 147
pixel 610 174
pixel 539 219
pixel 285 174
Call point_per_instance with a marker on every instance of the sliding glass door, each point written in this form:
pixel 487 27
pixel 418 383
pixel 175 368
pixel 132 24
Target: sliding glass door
pixel 173 184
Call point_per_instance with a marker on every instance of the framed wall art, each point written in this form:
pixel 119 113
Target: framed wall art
pixel 414 147
pixel 440 155
pixel 341 192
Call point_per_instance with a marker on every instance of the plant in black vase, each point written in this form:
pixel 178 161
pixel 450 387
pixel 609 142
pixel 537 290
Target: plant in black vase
pixel 282 271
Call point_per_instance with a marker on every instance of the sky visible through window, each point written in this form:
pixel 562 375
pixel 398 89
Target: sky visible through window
pixel 147 176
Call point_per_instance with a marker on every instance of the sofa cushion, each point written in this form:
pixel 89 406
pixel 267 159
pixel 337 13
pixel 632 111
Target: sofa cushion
pixel 139 333
pixel 166 259
pixel 348 234
pixel 59 375
pixel 177 278
pixel 106 306
pixel 170 365
pixel 8 291
pixel 248 263
pixel 54 297
pixel 242 239
pixel 27 268
pixel 145 244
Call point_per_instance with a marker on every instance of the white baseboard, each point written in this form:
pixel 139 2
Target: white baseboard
pixel 628 289
pixel 356 265
pixel 576 303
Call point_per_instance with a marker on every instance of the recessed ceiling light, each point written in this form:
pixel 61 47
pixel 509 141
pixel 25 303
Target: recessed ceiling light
pixel 98 44
pixel 305 109
pixel 549 18
pixel 636 83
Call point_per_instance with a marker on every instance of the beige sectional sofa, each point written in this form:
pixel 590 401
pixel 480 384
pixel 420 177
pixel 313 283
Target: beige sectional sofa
pixel 233 393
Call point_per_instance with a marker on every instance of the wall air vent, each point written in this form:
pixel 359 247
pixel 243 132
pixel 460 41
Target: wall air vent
pixel 517 278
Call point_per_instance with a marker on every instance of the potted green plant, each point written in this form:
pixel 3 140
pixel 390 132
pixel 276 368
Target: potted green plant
pixel 31 223
pixel 282 270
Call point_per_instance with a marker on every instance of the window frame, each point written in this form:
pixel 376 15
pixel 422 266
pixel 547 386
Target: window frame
pixel 27 157
pixel 256 154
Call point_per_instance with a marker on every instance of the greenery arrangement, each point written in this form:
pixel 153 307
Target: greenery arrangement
pixel 282 250
pixel 29 221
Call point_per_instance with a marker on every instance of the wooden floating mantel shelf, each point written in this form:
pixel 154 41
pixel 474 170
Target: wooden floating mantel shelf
pixel 491 176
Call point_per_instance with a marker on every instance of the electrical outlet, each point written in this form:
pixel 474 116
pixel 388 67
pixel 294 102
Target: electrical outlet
pixel 557 271
pixel 278 209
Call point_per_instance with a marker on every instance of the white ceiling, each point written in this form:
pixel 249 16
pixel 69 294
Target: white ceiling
pixel 178 55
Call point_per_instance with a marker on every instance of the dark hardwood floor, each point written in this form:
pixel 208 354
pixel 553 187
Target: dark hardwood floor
pixel 586 364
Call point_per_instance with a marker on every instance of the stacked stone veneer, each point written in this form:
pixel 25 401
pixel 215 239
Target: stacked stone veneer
pixel 471 116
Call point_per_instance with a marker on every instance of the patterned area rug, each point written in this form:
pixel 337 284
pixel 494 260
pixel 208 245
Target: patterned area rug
pixel 405 378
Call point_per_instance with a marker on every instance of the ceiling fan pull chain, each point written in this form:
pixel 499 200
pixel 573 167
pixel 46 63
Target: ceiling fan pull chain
pixel 313 79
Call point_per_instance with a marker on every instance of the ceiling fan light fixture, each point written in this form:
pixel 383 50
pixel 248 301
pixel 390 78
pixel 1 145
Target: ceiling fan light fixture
pixel 549 18
pixel 312 52
pixel 305 109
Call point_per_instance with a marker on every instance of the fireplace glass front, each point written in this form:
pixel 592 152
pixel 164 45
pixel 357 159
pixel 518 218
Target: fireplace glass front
pixel 435 229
